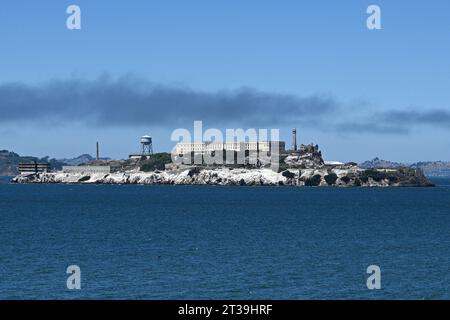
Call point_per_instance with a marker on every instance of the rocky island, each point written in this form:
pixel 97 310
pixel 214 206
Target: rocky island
pixel 305 167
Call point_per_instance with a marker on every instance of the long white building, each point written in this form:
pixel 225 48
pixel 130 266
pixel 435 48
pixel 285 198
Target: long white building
pixel 203 147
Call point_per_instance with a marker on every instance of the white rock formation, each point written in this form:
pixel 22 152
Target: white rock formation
pixel 343 177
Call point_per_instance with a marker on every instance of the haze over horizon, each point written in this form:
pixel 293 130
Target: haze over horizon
pixel 154 67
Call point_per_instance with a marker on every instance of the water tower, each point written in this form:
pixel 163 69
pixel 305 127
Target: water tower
pixel 147 147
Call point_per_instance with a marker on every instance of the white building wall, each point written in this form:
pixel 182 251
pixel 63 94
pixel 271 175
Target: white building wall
pixel 86 169
pixel 265 146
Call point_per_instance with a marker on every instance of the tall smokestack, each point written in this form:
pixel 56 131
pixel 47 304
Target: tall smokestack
pixel 294 140
pixel 98 152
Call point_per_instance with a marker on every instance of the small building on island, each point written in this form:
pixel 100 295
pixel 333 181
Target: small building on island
pixel 34 167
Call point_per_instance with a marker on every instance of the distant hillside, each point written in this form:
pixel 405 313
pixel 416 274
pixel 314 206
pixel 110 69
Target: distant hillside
pixel 378 163
pixel 434 168
pixel 430 168
pixel 10 160
pixel 78 160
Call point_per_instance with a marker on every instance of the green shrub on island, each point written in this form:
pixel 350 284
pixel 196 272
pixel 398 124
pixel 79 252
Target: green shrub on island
pixel 194 171
pixel 345 179
pixel 393 179
pixel 374 174
pixel 156 161
pixel 314 181
pixel 331 178
pixel 282 166
pixel 288 174
pixel 83 179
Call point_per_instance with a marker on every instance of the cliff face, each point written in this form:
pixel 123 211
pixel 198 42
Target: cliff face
pixel 224 176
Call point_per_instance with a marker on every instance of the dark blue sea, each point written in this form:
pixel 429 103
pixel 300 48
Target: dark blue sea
pixel 194 242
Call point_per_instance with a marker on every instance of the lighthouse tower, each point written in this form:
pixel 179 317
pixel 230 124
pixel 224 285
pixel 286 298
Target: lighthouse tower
pixel 294 140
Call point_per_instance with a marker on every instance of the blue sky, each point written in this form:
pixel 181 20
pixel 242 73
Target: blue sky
pixel 387 91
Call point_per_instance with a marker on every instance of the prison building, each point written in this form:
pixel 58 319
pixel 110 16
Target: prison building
pixel 205 147
pixel 33 167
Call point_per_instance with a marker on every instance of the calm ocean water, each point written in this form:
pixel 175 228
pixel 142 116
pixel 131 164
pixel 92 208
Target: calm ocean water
pixel 190 242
